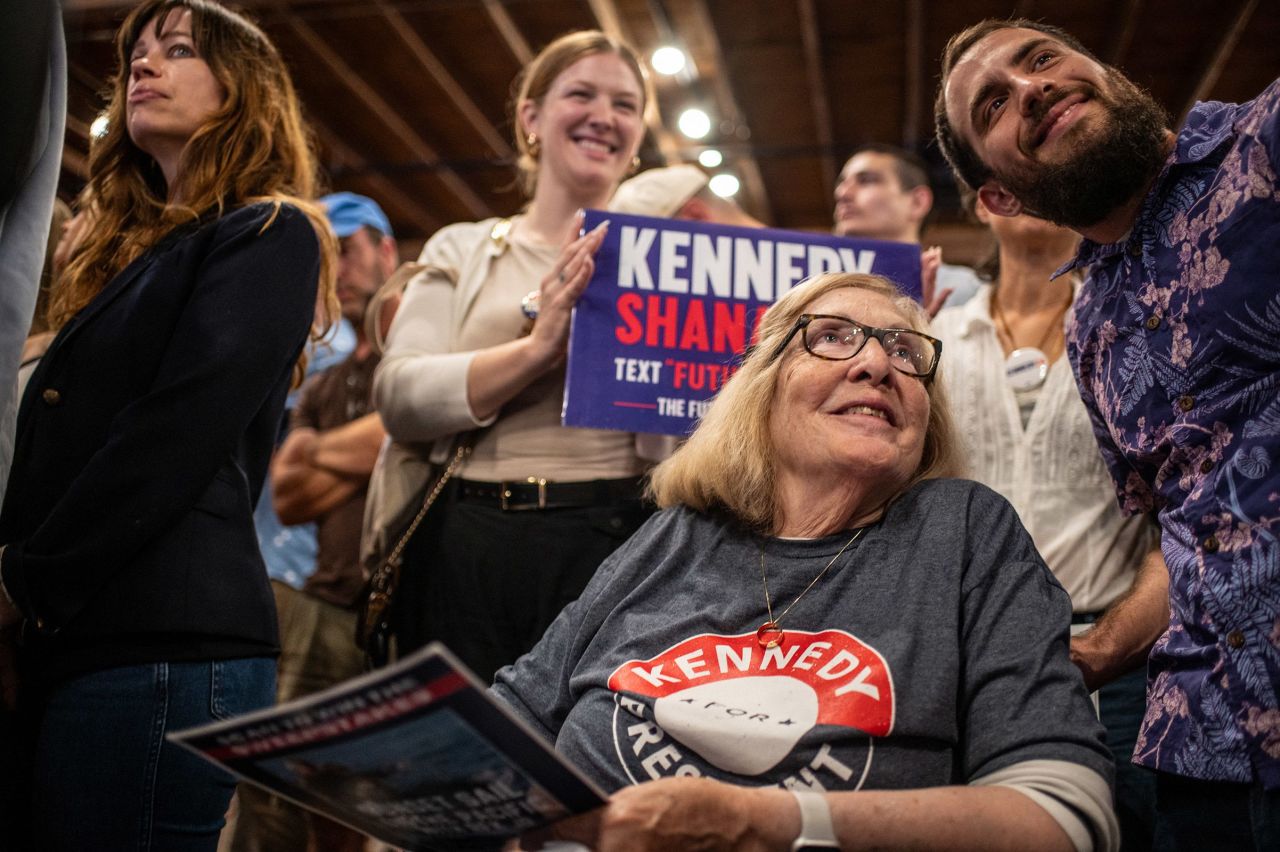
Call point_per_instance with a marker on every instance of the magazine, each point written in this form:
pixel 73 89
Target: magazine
pixel 417 755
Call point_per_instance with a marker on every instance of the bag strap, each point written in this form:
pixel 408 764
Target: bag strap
pixel 463 449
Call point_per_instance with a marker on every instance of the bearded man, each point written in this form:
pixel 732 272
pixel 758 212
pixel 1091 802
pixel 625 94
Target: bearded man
pixel 1174 345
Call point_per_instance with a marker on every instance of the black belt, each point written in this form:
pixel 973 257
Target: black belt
pixel 1085 617
pixel 535 493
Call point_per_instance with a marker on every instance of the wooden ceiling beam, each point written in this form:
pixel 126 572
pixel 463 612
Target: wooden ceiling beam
pixel 608 19
pixel 75 162
pixel 692 19
pixel 77 72
pixel 818 101
pixel 342 70
pixel 1128 18
pixel 515 40
pixel 100 5
pixel 436 71
pixel 606 13
pixel 95 5
pixel 914 76
pixel 1212 69
pixel 389 192
pixel 78 126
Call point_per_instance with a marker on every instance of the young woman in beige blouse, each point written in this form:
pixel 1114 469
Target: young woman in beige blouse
pixel 479 343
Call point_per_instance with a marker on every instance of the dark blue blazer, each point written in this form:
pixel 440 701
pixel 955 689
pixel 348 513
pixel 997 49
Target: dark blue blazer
pixel 142 443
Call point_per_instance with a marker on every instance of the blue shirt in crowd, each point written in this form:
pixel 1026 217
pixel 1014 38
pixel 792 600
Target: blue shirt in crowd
pixel 1176 346
pixel 290 552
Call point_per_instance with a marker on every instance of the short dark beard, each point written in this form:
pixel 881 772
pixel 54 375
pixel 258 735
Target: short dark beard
pixel 1107 171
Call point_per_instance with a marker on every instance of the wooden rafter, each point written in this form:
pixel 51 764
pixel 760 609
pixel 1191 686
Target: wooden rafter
pixel 75 162
pixel 1128 19
pixel 812 43
pixel 914 78
pixel 1212 70
pixel 92 5
pixel 77 72
pixel 436 70
pixel 510 33
pixel 610 21
pixel 388 191
pixel 692 18
pixel 79 127
pixel 475 205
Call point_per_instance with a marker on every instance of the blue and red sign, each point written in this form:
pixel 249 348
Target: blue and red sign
pixel 672 304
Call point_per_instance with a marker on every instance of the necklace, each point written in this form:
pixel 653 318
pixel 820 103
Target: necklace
pixel 1027 366
pixel 769 634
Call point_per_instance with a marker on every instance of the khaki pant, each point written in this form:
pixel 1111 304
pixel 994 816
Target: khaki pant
pixel 317 650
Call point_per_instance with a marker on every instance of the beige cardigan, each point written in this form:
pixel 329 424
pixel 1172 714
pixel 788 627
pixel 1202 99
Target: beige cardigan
pixel 420 387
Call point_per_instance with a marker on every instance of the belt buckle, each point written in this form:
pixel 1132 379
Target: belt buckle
pixel 504 497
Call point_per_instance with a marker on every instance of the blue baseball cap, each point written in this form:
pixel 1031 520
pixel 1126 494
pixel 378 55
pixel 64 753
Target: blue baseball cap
pixel 349 213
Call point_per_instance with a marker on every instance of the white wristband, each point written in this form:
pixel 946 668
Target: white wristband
pixel 816 829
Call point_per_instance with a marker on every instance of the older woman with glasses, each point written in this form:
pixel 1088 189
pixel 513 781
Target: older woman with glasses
pixel 821 642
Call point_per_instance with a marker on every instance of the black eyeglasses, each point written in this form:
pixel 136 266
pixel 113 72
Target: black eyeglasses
pixel 837 338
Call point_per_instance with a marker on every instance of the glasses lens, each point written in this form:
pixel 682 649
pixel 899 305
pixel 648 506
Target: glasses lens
pixel 834 338
pixel 910 352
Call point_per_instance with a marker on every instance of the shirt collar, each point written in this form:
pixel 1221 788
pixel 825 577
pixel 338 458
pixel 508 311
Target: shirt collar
pixel 1208 125
pixel 976 312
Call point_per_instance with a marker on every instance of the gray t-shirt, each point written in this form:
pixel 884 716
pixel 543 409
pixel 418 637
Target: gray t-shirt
pixel 933 652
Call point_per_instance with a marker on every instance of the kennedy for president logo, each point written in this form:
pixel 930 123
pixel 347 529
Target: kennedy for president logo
pixel 745 709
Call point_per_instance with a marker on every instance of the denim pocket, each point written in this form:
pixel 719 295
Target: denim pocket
pixel 238 686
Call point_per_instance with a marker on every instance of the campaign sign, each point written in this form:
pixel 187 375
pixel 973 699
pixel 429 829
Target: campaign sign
pixel 672 305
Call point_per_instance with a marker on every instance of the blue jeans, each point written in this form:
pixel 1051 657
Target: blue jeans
pixel 1122 704
pixel 105 776
pixel 1215 816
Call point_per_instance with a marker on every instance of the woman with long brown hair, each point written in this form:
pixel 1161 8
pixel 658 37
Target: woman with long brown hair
pixel 478 347
pixel 133 589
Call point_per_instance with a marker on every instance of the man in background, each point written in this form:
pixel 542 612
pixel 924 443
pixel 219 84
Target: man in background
pixel 678 192
pixel 320 474
pixel 883 193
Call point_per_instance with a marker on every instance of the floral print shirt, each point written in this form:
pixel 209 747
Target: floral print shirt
pixel 1176 347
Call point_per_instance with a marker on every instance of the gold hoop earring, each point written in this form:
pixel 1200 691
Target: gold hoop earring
pixel 534 146
pixel 635 165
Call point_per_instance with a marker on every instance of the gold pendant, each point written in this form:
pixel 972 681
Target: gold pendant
pixel 769 635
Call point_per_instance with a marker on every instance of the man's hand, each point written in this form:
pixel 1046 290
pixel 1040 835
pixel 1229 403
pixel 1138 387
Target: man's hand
pixel 315 472
pixel 1123 637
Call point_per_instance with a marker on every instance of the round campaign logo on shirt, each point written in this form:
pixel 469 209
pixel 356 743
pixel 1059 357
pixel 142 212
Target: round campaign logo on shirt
pixel 724 703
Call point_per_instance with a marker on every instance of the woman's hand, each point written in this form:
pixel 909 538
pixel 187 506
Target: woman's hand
pixel 500 372
pixel 670 814
pixel 930 260
pixel 562 287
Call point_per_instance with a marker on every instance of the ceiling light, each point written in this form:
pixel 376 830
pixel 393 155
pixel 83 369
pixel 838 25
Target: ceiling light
pixel 668 60
pixel 725 185
pixel 710 158
pixel 694 123
pixel 99 127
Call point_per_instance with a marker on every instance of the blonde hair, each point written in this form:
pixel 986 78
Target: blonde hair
pixel 728 463
pixel 253 148
pixel 535 79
